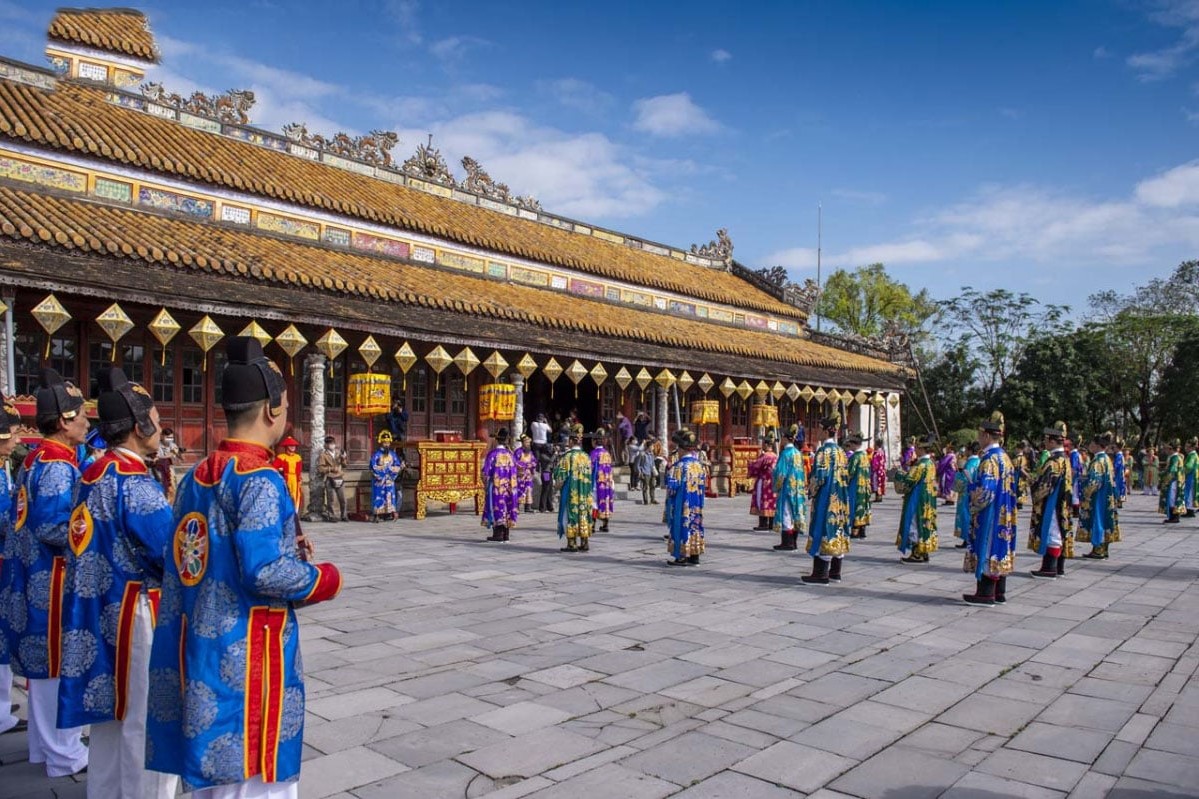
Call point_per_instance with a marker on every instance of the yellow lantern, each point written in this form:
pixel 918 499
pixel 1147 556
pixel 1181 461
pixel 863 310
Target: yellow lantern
pixel 526 366
pixel 466 361
pixel 576 372
pixel 821 395
pixel 728 387
pixel 665 379
pixel 291 341
pixel 495 364
pixel 744 389
pixel 552 370
pixel 368 394
pixel 3 307
pixel 762 389
pixel 497 402
pixel 685 382
pixel 599 374
pixel 705 383
pixel 439 359
pixel 116 323
pixel 254 330
pixel 623 378
pixel 643 380
pixel 206 334
pixel 332 345
pixel 763 415
pixel 705 412
pixel 793 393
pixel 861 397
pixel 51 315
pixel 370 352
pixel 778 390
pixel 893 400
pixel 405 358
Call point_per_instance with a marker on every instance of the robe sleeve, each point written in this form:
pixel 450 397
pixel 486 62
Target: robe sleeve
pixel 56 500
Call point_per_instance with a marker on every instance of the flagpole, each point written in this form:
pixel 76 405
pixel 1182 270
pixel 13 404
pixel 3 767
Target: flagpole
pixel 819 242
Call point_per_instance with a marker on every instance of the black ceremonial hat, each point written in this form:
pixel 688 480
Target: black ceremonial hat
pixel 10 419
pixel 249 376
pixel 122 404
pixel 57 397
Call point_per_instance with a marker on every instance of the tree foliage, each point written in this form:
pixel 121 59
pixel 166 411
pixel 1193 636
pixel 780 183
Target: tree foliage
pixel 861 302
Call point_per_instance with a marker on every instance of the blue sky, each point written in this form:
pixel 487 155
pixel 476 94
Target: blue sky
pixel 1045 147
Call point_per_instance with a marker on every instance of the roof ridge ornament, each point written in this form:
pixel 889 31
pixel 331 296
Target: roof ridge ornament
pixel 479 182
pixel 373 148
pixel 231 107
pixel 721 249
pixel 803 296
pixel 428 164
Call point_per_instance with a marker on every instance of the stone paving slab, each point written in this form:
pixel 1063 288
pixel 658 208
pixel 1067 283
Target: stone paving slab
pixel 451 667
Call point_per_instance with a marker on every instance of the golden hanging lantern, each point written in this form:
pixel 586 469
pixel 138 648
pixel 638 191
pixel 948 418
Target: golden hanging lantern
pixel 497 402
pixel 466 361
pixel 598 374
pixel 291 341
pixel 623 378
pixel 643 380
pixel 116 323
pixel 744 389
pixel 51 315
pixel 576 372
pixel 368 394
pixel 762 389
pixel 526 366
pixel 255 330
pixel 686 381
pixel 164 327
pixel 495 364
pixel 552 370
pixel 893 400
pixel 206 334
pixel 807 393
pixel 3 307
pixel 793 392
pixel 370 352
pixel 331 344
pixel 666 379
pixel 705 412
pixel 763 415
pixel 728 387
pixel 705 383
pixel 405 358
pixel 778 391
pixel 439 359
pixel 820 395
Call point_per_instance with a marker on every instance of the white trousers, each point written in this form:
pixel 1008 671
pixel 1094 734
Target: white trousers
pixel 62 751
pixel 7 719
pixel 253 789
pixel 118 748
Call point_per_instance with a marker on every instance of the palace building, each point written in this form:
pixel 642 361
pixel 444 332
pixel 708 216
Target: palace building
pixel 141 227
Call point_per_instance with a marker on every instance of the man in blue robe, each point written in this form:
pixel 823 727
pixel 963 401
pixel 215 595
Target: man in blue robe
pixel 118 535
pixel 791 497
pixel 828 493
pixel 1050 531
pixel 10 420
pixel 226 704
pixel 991 555
pixel 685 484
pixel 1098 522
pixel 37 570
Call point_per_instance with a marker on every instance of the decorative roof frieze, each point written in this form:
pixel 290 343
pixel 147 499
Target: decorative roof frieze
pixel 721 249
pixel 231 108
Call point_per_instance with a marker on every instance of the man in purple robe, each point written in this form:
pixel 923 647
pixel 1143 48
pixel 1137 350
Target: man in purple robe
pixel 526 468
pixel 501 489
pixel 601 478
pixel 946 471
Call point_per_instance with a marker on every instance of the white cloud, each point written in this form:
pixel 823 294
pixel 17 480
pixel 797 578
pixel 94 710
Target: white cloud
pixel 672 115
pixel 405 13
pixel 1171 189
pixel 577 94
pixel 453 49
pixel 584 175
pixel 1039 225
pixel 1166 61
pixel 721 56
pixel 1101 52
pixel 1191 115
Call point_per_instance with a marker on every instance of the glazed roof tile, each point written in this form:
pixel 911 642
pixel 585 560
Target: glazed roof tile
pixel 117 30
pixel 89 227
pixel 80 119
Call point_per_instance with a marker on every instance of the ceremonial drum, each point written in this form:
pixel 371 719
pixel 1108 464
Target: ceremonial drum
pixel 763 415
pixel 497 402
pixel 369 395
pixel 705 412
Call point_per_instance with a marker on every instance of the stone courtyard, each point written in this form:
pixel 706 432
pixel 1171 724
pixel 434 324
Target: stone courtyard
pixel 449 667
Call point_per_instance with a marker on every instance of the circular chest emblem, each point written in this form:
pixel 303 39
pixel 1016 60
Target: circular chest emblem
pixel 22 508
pixel 79 531
pixel 191 548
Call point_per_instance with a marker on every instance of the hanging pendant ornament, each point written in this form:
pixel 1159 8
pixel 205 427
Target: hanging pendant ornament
pixel 599 374
pixel 3 307
pixel 466 361
pixel 623 378
pixel 644 378
pixel 666 379
pixel 291 341
pixel 332 345
pixel 552 370
pixel 526 366
pixel 206 334
pixel 762 389
pixel 116 323
pixel 793 394
pixel 439 359
pixel 744 389
pixel 686 381
pixel 254 330
pixel 705 383
pixel 861 398
pixel 164 327
pixel 495 364
pixel 405 358
pixel 778 390
pixel 51 315
pixel 576 372
pixel 370 352
pixel 807 393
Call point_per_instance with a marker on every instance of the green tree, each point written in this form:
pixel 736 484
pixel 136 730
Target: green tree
pixel 951 382
pixel 1179 390
pixel 861 302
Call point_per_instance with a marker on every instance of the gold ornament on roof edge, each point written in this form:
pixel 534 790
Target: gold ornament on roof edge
pixel 116 323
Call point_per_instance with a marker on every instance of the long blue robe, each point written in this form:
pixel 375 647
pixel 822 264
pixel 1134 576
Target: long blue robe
pixel 961 485
pixel 1052 491
pixel 918 519
pixel 685 484
pixel 1076 469
pixel 828 527
pixel 36 565
pixel 6 520
pixel 385 468
pixel 790 507
pixel 1118 474
pixel 1097 519
pixel 119 533
pixel 992 549
pixel 226 700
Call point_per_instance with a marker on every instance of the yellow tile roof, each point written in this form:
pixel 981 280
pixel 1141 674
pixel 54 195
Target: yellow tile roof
pixel 117 30
pixel 80 119
pixel 162 241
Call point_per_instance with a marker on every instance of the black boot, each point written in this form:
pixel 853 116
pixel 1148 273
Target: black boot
pixel 819 575
pixel 585 545
pixel 604 529
pixel 1061 565
pixel 693 560
pixel 507 532
pixel 761 523
pixel 834 570
pixel 1048 567
pixel 497 534
pixel 784 542
pixel 1001 590
pixel 984 593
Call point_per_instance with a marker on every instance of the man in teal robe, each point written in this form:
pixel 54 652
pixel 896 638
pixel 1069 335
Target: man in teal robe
pixel 790 513
pixel 1097 519
pixel 685 503
pixel 828 491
